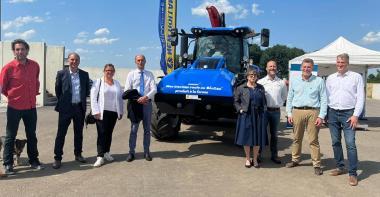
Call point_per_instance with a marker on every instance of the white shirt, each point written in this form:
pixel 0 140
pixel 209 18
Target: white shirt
pixel 110 92
pixel 345 91
pixel 275 91
pixel 133 82
pixel 98 106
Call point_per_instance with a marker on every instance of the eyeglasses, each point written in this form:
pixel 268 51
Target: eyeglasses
pixel 109 70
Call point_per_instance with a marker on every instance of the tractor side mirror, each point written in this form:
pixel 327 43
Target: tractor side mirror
pixel 173 37
pixel 184 45
pixel 265 37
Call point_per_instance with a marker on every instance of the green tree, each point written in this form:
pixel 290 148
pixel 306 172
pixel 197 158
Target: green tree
pixel 255 53
pixel 282 54
pixel 372 78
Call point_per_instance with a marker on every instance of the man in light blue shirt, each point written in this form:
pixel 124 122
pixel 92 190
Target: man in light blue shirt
pixel 306 108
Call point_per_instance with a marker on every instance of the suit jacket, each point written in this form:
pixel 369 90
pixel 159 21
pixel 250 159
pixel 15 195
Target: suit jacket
pixel 64 93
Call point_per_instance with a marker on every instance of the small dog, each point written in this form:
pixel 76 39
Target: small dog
pixel 19 147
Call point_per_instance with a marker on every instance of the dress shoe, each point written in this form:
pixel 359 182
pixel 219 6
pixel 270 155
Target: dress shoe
pixel 292 164
pixel 130 157
pixel 147 157
pixel 275 160
pixel 8 170
pixel 57 164
pixel 80 158
pixel 318 171
pixel 337 172
pixel 259 159
pixel 248 164
pixel 2 174
pixel 353 180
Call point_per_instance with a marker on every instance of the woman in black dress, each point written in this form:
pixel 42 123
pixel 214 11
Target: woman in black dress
pixel 250 103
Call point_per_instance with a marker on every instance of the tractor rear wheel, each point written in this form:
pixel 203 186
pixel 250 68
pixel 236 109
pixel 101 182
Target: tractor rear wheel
pixel 164 126
pixel 188 120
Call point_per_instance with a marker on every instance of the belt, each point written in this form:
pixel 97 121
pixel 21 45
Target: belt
pixel 306 108
pixel 76 104
pixel 258 108
pixel 273 108
pixel 342 110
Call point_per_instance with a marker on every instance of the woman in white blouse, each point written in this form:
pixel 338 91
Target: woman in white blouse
pixel 107 106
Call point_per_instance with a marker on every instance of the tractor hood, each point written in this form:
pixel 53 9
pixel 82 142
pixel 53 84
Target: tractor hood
pixel 198 81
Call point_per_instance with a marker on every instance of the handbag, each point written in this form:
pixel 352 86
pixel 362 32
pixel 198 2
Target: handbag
pixel 90 119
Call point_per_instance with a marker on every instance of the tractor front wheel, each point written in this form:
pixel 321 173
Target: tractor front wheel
pixel 164 126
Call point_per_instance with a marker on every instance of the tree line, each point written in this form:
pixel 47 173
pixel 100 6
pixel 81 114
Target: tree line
pixel 280 53
pixel 374 78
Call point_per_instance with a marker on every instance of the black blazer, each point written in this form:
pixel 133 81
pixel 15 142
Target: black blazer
pixel 242 97
pixel 63 90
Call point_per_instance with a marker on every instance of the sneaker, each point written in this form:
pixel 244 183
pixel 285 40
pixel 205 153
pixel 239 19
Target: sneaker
pixel 36 166
pixel 108 157
pixel 99 162
pixel 8 170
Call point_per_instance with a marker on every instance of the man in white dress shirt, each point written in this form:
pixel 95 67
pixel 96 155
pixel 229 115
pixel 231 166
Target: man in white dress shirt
pixel 143 81
pixel 345 91
pixel 275 94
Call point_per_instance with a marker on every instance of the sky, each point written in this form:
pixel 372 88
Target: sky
pixel 114 31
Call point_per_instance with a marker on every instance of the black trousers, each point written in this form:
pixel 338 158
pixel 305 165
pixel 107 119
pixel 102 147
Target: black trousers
pixel 64 119
pixel 105 129
pixel 29 117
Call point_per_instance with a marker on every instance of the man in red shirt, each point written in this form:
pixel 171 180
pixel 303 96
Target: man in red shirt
pixel 19 83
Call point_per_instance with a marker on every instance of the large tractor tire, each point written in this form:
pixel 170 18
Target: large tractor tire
pixel 164 126
pixel 188 120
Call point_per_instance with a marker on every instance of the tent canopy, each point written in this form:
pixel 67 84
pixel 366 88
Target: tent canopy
pixel 359 56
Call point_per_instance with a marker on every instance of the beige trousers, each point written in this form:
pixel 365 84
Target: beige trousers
pixel 305 120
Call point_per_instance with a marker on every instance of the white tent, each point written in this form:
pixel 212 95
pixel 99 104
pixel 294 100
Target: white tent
pixel 360 58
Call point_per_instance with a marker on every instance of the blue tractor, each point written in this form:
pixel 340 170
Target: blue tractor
pixel 202 86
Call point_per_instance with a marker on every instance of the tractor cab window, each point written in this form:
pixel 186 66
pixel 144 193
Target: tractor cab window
pixel 224 46
pixel 209 63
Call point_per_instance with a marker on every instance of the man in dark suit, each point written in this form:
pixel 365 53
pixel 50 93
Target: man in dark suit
pixel 72 86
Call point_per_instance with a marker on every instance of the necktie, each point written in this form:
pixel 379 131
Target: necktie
pixel 142 83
